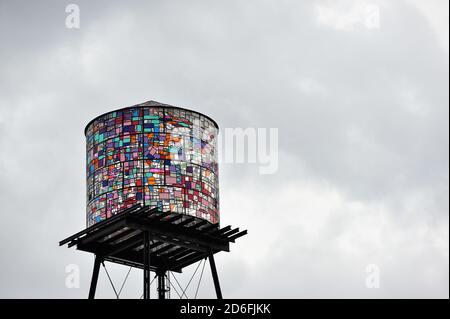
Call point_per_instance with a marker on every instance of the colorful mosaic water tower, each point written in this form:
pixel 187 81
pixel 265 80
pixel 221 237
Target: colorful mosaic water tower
pixel 153 194
pixel 155 155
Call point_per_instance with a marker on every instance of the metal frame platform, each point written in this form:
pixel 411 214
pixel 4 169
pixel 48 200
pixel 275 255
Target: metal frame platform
pixel 146 238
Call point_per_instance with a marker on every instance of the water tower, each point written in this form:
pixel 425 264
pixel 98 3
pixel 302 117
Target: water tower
pixel 152 193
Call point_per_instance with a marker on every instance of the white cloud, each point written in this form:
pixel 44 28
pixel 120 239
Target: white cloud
pixel 437 13
pixel 347 15
pixel 304 225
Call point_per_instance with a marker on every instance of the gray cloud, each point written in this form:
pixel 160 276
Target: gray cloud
pixel 363 127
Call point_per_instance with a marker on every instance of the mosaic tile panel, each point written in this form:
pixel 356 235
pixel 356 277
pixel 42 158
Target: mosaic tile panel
pixel 160 156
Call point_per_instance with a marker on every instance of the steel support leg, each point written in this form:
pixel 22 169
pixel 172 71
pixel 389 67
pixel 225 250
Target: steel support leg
pixel 146 265
pixel 214 275
pixel 94 279
pixel 161 285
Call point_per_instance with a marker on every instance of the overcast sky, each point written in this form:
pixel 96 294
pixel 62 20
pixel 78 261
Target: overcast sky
pixel 357 89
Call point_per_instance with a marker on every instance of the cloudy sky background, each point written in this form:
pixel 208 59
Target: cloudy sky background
pixel 362 114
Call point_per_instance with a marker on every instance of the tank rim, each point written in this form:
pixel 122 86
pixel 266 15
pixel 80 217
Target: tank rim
pixel 156 104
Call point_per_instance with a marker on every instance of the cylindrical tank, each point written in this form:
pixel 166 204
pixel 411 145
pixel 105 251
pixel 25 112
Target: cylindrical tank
pixel 152 154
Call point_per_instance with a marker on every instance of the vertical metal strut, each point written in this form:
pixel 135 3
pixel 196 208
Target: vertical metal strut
pixel 214 275
pixel 161 284
pixel 146 265
pixel 94 279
